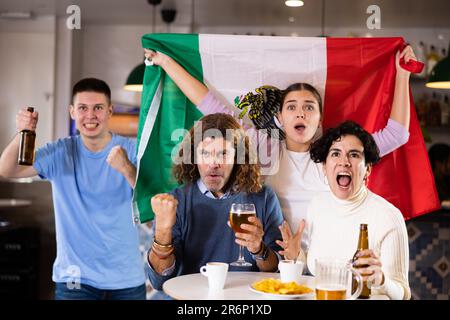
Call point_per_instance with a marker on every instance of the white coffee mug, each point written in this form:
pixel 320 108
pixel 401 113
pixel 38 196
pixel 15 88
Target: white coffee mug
pixel 216 272
pixel 290 270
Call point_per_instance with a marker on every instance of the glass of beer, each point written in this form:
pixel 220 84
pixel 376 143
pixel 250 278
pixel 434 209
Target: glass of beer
pixel 333 280
pixel 239 214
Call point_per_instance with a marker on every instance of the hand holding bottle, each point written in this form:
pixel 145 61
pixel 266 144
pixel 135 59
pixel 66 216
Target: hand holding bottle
pixel 370 267
pixel 26 120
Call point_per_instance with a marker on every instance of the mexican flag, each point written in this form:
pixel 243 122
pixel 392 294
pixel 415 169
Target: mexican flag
pixel 355 77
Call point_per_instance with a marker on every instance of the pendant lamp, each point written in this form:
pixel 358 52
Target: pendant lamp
pixel 136 77
pixel 440 75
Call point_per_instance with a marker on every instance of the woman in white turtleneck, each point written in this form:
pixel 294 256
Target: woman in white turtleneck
pixel 347 153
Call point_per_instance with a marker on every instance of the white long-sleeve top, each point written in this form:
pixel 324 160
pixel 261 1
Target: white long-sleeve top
pixel 332 226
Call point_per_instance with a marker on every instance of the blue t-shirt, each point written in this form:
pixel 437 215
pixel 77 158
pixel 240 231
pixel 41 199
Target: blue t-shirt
pixel 201 234
pixel 97 243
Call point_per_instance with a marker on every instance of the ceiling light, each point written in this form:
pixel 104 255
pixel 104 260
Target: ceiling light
pixel 294 3
pixel 16 15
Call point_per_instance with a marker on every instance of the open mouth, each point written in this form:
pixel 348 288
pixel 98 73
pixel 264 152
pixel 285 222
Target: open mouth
pixel 344 179
pixel 300 128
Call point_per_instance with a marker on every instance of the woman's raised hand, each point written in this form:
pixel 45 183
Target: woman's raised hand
pixel 407 54
pixel 291 244
pixel 156 57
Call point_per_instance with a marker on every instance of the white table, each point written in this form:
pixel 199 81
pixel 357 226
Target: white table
pixel 237 287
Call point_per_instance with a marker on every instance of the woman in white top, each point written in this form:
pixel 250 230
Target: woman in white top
pixel 293 176
pixel 347 154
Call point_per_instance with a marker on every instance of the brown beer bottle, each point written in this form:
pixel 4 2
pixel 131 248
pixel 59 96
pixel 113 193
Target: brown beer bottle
pixel 26 145
pixel 363 243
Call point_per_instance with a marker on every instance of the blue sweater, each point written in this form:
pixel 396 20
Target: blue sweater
pixel 201 233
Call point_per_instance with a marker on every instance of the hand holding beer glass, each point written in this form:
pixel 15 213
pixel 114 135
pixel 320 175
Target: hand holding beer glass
pixel 239 214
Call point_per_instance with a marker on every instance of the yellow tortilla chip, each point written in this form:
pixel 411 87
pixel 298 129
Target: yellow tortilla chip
pixel 275 286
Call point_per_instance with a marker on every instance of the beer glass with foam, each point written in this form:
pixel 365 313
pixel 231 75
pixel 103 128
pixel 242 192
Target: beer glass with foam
pixel 333 280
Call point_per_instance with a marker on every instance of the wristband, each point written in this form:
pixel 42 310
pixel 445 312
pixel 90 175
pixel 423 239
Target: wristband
pixel 262 254
pixel 162 255
pixel 170 245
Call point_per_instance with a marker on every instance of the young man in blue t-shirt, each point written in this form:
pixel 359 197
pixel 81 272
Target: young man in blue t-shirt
pixel 217 168
pixel 92 178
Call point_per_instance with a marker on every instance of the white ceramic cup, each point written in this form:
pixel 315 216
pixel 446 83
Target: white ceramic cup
pixel 290 270
pixel 216 272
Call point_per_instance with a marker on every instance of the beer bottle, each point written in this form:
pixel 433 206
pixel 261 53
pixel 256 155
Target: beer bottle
pixel 26 145
pixel 363 243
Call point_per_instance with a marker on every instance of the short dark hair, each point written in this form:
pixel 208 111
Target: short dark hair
pixel 439 152
pixel 300 86
pixel 91 85
pixel 320 148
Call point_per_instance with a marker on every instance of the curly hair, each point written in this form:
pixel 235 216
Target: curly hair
pixel 246 173
pixel 320 148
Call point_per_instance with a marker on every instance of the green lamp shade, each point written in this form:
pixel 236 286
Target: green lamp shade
pixel 135 79
pixel 440 75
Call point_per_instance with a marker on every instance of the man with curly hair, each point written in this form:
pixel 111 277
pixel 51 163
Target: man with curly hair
pixel 217 168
